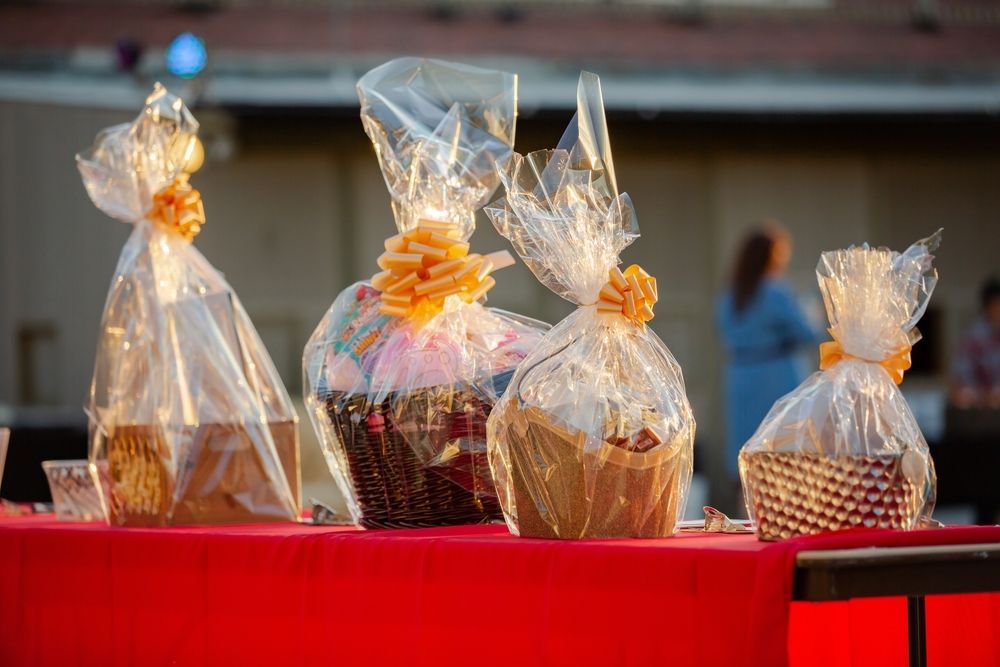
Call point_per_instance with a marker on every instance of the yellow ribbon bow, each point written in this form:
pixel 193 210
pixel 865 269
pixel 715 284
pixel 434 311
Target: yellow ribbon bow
pixel 632 293
pixel 178 206
pixel 831 352
pixel 426 265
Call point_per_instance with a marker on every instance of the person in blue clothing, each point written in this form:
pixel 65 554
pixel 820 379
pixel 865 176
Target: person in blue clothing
pixel 762 328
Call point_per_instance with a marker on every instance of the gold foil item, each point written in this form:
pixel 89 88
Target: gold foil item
pixel 227 478
pixel 562 491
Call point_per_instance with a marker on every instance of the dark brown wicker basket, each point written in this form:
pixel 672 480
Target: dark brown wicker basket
pixel 394 488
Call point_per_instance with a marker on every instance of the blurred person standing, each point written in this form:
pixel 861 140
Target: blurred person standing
pixel 975 376
pixel 762 328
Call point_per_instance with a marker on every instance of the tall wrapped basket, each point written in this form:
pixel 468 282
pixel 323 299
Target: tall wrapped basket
pixel 402 372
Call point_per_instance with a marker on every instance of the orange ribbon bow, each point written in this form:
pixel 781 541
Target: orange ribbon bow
pixel 633 294
pixel 831 352
pixel 426 265
pixel 179 207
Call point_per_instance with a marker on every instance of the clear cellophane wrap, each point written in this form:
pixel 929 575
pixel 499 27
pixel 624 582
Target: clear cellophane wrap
pixel 843 449
pixel 594 435
pixel 399 391
pixel 189 421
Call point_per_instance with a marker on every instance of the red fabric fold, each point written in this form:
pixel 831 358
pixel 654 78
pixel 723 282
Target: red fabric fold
pixel 87 594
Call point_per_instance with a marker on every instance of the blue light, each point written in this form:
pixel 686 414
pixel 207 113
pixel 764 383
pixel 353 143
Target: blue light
pixel 186 55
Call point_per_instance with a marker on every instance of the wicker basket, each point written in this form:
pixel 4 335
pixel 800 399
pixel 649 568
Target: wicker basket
pixel 393 488
pixel 793 494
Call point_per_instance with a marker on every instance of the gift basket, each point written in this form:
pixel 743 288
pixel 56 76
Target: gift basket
pixel 189 421
pixel 403 370
pixel 843 449
pixel 594 435
pixel 74 495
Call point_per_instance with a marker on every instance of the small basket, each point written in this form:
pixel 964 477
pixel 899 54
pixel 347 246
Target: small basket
pixel 222 476
pixel 792 494
pixel 393 487
pixel 606 493
pixel 74 494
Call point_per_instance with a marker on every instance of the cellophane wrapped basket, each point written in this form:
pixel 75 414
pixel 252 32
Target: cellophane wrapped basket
pixel 594 435
pixel 189 421
pixel 403 370
pixel 843 450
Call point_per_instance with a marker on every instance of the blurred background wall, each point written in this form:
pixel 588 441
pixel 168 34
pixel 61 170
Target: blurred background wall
pixel 848 121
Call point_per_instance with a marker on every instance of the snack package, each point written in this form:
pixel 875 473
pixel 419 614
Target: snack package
pixel 843 449
pixel 594 436
pixel 189 421
pixel 403 370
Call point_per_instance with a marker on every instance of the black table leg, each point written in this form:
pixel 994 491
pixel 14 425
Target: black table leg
pixel 916 624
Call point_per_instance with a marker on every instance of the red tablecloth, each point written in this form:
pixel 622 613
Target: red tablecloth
pixel 86 594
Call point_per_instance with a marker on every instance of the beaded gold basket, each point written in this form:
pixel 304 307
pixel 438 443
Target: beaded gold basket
pixel 793 494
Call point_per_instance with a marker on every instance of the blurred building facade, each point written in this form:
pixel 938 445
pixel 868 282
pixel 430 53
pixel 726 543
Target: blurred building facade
pixel 848 121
